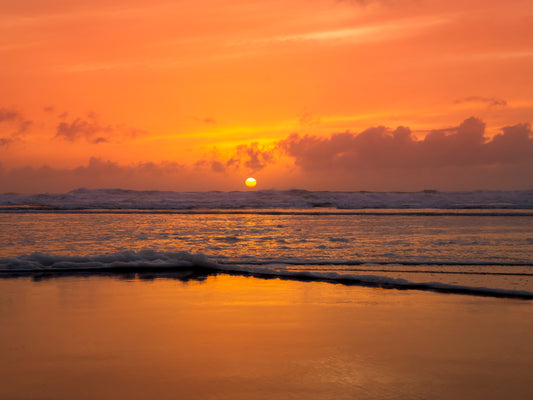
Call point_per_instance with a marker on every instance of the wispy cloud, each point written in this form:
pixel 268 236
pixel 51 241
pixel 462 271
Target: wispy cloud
pixel 91 129
pixel 13 125
pixel 365 33
pixel 490 101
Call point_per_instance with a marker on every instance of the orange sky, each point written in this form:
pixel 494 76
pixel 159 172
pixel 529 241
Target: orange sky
pixel 197 95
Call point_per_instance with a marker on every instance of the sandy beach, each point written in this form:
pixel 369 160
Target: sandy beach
pixel 234 337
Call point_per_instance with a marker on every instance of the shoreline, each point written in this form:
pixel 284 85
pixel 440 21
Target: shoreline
pixel 200 273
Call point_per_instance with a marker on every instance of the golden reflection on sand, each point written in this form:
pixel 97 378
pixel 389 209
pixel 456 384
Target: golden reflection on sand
pixel 245 338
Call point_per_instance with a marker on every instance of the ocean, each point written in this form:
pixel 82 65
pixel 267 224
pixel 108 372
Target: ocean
pixel 117 294
pixel 478 243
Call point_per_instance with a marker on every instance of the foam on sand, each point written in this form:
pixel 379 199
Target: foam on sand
pixel 156 261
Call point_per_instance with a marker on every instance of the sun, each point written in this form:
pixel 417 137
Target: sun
pixel 250 182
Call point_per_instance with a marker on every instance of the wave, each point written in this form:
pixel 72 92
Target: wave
pixel 266 200
pixel 331 262
pixel 380 212
pixel 432 271
pixel 159 261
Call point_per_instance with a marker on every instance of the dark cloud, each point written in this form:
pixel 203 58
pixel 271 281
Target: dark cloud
pixel 100 168
pixel 217 166
pixel 513 144
pixel 13 125
pixel 380 147
pixel 97 173
pixel 253 157
pixel 378 158
pixel 490 101
pixel 81 129
pixel 212 165
pixel 92 130
pixel 100 140
pixel 8 115
pixel 5 141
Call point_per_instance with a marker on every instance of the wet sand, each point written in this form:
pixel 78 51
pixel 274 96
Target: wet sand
pixel 234 337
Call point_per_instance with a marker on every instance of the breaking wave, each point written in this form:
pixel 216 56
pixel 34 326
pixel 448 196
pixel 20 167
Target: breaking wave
pixel 159 261
pixel 266 200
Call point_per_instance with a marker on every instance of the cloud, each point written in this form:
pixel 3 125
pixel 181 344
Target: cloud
pixel 5 141
pixel 100 168
pixel 378 158
pixel 217 166
pixel 490 101
pixel 98 173
pixel 379 147
pixel 79 128
pixel 254 157
pixel 353 34
pixel 13 125
pixel 513 144
pixel 251 157
pixel 8 115
pixel 92 130
pixel 212 165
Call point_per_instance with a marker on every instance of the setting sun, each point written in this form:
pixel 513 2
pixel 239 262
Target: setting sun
pixel 251 182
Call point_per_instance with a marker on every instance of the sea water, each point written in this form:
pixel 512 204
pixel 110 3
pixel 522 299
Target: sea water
pixel 114 294
pixel 427 240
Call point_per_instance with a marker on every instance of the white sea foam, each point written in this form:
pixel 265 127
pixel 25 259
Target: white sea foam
pixel 118 199
pixel 150 260
pixel 122 260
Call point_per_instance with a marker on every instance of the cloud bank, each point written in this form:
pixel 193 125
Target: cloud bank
pixel 380 147
pixel 97 173
pixel 378 158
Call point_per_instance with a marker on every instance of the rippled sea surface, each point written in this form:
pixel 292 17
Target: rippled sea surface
pixel 494 250
pixel 281 303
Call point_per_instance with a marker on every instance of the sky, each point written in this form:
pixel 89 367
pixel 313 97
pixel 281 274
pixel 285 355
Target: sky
pixel 197 95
